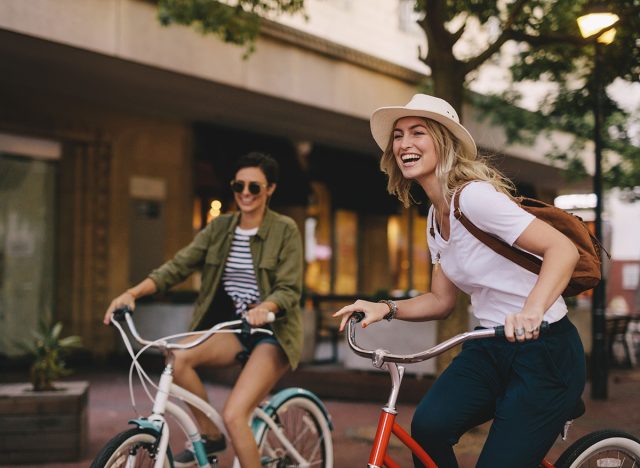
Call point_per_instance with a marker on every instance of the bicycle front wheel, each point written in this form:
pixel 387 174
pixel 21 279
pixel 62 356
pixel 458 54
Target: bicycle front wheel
pixel 304 425
pixel 132 448
pixel 607 448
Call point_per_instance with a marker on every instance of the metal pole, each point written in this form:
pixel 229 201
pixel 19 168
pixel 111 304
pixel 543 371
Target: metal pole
pixel 599 358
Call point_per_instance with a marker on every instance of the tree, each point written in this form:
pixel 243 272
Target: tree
pixel 550 49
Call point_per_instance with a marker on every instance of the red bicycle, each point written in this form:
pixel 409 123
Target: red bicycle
pixel 603 449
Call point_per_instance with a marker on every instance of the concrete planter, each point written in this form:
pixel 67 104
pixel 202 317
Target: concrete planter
pixel 49 426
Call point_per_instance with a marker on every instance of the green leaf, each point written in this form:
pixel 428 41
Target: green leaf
pixel 70 342
pixel 55 331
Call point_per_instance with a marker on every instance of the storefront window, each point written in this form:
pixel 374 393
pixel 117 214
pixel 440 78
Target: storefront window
pixel 318 245
pixel 27 236
pixel 398 244
pixel 346 259
pixel 420 258
pixel 409 259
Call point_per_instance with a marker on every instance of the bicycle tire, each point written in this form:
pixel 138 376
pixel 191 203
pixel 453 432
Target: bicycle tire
pixel 116 452
pixel 606 448
pixel 304 424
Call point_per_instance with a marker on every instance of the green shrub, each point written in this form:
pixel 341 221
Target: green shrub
pixel 48 351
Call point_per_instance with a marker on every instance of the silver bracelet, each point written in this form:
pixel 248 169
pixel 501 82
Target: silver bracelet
pixel 393 309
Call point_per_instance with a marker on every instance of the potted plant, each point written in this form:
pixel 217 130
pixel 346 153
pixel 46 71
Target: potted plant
pixel 48 351
pixel 44 420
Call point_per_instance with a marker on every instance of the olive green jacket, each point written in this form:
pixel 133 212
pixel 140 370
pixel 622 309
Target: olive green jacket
pixel 277 260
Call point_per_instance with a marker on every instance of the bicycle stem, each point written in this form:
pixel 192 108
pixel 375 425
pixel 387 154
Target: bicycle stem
pixel 396 372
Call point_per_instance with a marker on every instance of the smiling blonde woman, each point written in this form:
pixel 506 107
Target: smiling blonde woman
pixel 529 383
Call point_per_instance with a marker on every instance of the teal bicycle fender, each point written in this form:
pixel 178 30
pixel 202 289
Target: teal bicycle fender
pixel 144 423
pixel 283 395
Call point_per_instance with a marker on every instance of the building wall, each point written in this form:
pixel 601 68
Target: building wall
pixel 385 28
pixel 131 89
pixel 137 147
pixel 129 29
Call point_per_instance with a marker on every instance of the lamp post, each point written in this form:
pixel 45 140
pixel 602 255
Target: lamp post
pixel 597 25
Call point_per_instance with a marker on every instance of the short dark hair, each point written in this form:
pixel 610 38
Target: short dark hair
pixel 265 162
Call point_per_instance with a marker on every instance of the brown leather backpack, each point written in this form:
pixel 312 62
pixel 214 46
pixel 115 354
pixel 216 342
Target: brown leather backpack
pixel 587 273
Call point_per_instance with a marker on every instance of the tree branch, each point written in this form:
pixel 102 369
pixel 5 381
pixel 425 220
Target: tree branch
pixel 505 35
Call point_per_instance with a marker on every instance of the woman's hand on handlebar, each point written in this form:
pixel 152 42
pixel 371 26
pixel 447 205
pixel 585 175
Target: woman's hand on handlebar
pixel 524 325
pixel 125 299
pixel 259 316
pixel 373 312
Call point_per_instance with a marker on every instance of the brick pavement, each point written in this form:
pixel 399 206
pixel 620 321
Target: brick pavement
pixel 355 422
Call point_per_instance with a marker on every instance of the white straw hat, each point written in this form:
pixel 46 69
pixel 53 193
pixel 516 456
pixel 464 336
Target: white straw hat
pixel 421 105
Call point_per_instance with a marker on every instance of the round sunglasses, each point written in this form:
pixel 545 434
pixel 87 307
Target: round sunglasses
pixel 254 187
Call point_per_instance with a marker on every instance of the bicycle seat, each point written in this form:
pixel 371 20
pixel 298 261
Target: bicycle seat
pixel 577 411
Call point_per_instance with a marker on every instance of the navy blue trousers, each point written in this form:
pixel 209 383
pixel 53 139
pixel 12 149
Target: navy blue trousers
pixel 528 389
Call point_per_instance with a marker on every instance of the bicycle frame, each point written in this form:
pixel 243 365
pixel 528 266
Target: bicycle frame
pixel 387 424
pixel 162 404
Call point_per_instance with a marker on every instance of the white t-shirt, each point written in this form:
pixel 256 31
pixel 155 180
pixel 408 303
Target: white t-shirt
pixel 497 286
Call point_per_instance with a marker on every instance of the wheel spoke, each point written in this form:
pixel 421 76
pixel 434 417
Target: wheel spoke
pixel 303 424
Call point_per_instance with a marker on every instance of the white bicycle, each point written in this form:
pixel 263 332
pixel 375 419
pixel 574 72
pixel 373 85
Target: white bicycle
pixel 292 429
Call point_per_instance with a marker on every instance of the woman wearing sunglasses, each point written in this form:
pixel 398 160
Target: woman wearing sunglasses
pixel 528 384
pixel 251 265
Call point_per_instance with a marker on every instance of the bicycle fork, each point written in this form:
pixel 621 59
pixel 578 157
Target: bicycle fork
pixel 387 425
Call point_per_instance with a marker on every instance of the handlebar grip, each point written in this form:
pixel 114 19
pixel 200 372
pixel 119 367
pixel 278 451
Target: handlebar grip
pixel 358 316
pixel 120 312
pixel 544 327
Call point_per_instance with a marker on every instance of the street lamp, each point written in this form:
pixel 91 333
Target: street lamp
pixel 597 25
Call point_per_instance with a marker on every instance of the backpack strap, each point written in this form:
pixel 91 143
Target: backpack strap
pixel 519 257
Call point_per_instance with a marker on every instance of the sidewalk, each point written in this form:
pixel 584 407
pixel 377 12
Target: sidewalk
pixel 354 422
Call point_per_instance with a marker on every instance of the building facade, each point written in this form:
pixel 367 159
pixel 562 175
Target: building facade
pixel 117 138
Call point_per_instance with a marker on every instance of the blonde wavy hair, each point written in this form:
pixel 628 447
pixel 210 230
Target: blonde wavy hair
pixel 455 166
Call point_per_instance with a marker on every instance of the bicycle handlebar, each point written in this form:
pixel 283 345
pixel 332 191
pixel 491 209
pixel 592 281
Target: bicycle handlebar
pixel 234 326
pixel 380 356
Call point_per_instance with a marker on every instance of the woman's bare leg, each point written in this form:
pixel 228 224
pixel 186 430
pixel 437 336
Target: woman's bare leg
pixel 266 365
pixel 218 351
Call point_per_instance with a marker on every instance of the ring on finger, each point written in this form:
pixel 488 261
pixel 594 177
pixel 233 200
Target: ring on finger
pixel 519 331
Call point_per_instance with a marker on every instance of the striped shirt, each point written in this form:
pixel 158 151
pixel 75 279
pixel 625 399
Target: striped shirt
pixel 239 278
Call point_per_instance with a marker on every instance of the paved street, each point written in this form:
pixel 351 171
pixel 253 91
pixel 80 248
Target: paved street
pixel 355 422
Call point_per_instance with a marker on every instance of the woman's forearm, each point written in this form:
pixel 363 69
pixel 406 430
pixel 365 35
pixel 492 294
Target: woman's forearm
pixel 145 288
pixel 558 264
pixel 425 307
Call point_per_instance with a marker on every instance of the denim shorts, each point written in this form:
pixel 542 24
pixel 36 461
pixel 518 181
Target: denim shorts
pixel 249 343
